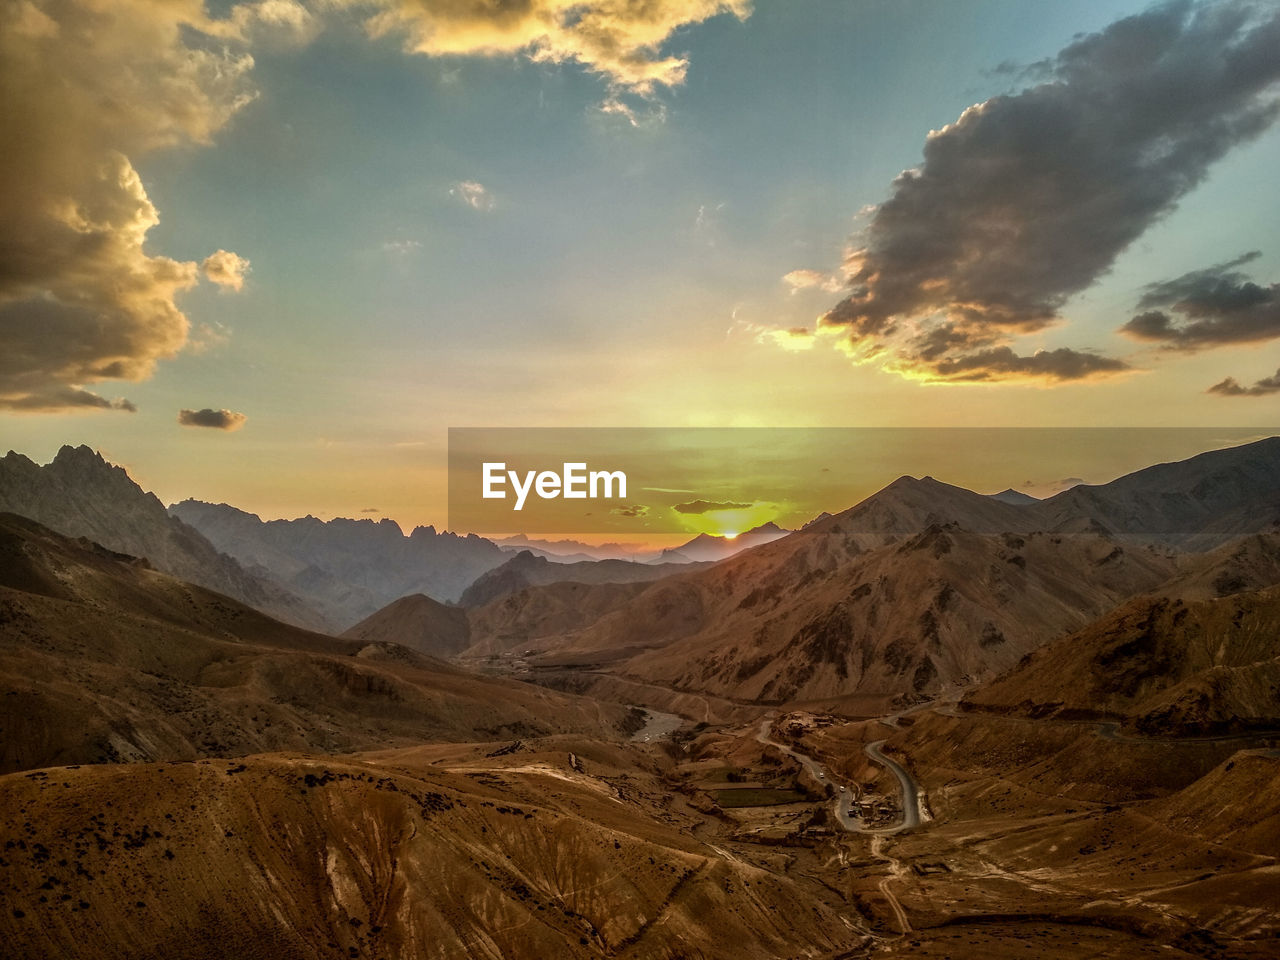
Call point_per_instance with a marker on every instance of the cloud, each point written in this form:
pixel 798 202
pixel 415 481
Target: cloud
pixel 708 216
pixel 1028 198
pixel 100 85
pixel 1001 363
pixel 370 510
pixel 1218 305
pixel 646 114
pixel 204 337
pixel 475 195
pixel 1230 387
pixel 706 506
pixel 630 510
pixel 97 87
pixel 66 399
pixel 1043 489
pixel 402 248
pixel 217 419
pixel 804 279
pixel 226 269
pixel 620 40
pixel 793 339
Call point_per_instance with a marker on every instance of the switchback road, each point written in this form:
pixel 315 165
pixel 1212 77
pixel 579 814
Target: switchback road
pixel 844 796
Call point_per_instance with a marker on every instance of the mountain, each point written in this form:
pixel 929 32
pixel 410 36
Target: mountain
pixel 526 570
pixel 706 548
pixel 919 586
pixel 348 568
pixel 814 619
pixel 1193 504
pixel 1013 496
pixel 571 551
pixel 818 519
pixel 80 494
pixel 1246 564
pixel 104 659
pixel 1164 665
pixel 540 616
pixel 909 505
pixel 416 622
pixel 548 555
pixel 557 848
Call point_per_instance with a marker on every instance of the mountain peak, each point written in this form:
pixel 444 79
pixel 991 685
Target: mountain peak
pixel 1010 495
pixel 82 457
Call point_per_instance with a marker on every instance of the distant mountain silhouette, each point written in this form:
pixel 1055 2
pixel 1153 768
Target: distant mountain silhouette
pixel 708 548
pixel 1013 496
pixel 348 568
pixel 526 569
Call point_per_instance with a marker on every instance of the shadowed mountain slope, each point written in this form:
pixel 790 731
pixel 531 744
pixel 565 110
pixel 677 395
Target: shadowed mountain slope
pixel 104 659
pixel 416 622
pixel 1164 665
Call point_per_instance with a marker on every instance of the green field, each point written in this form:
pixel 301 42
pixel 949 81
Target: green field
pixel 757 797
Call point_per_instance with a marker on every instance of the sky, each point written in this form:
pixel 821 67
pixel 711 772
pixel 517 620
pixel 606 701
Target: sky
pixel 267 253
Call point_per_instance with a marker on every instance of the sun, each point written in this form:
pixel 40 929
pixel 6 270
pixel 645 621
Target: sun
pixel 731 534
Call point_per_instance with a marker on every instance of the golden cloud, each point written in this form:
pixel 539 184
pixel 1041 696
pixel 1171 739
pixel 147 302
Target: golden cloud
pixel 618 39
pixel 95 86
pixel 226 269
pixel 99 85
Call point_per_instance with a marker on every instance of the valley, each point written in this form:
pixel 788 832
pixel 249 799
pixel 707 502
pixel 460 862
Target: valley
pixel 903 731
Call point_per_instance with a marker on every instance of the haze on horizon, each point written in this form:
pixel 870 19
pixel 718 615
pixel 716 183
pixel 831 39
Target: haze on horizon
pixel 267 253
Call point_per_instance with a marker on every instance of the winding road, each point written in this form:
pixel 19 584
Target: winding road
pixel 910 793
pixel 844 797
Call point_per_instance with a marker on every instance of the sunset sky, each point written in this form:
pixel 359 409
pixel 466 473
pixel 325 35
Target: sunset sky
pixel 268 253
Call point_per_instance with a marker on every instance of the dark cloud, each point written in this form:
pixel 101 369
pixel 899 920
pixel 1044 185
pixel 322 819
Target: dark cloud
pixel 1029 197
pixel 50 399
pixel 630 510
pixel 1001 363
pixel 217 419
pixel 705 506
pixel 370 510
pixel 1215 306
pixel 1230 387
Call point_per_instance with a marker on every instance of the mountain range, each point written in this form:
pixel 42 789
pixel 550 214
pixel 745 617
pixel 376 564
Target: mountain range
pixel 106 659
pixel 183 775
pixel 347 569
pixel 526 569
pixel 80 494
pixel 918 587
pixel 708 548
